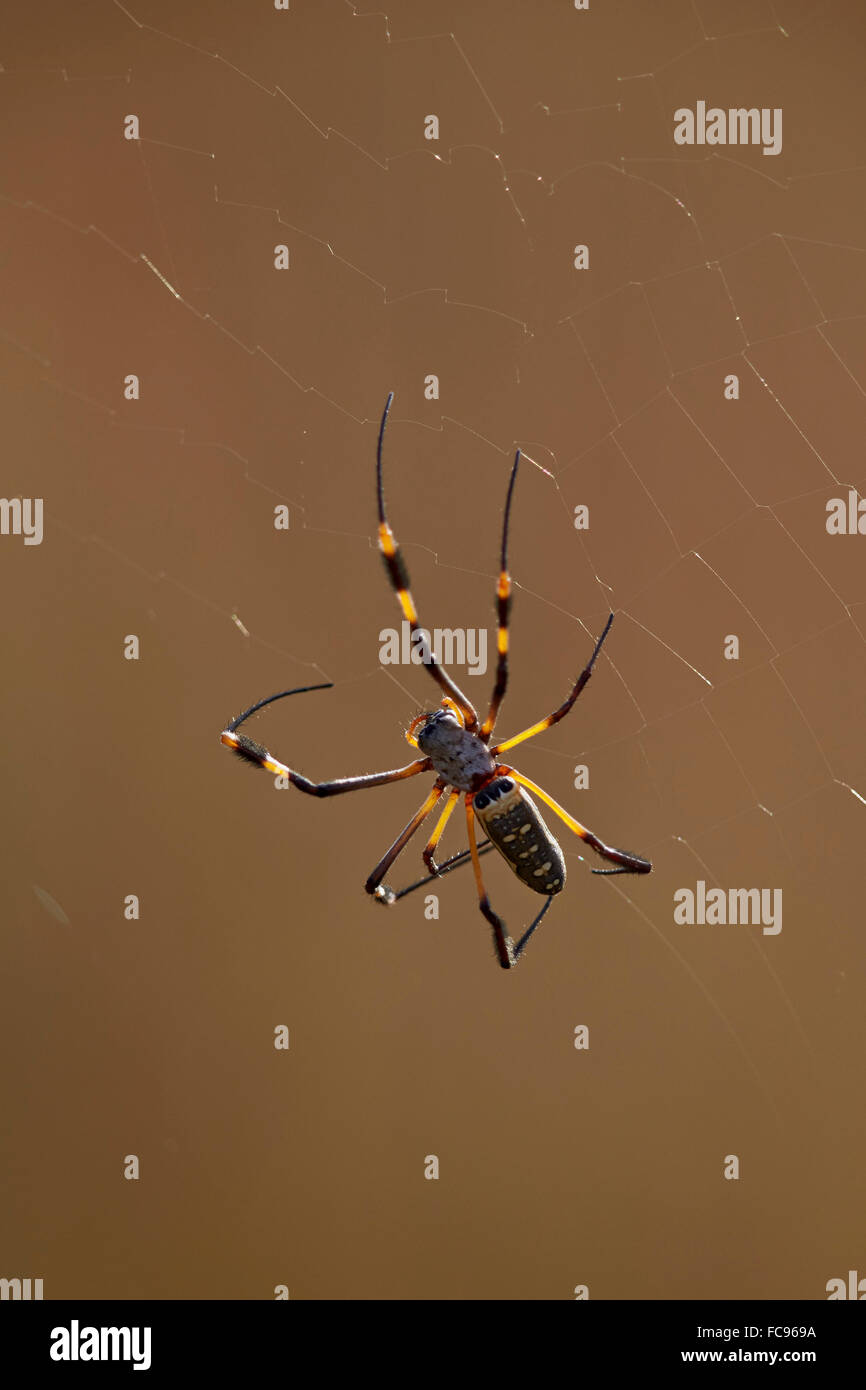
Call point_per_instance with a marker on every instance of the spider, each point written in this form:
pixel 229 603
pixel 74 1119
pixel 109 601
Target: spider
pixel 456 746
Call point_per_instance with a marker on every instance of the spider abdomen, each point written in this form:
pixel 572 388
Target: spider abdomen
pixel 514 825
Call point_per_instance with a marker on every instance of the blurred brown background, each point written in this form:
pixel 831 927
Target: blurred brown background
pixel 411 257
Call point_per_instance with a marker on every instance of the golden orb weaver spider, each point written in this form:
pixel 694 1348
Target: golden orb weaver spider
pixel 456 747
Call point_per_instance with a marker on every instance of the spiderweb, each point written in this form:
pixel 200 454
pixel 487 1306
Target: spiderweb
pixel 412 259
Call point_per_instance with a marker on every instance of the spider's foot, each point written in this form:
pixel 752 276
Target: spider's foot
pixel 508 959
pixel 384 894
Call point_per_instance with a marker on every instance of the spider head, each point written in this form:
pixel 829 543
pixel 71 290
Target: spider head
pixel 435 724
pixel 439 726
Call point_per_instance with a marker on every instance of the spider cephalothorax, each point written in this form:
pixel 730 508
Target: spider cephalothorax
pixel 461 758
pixel 456 748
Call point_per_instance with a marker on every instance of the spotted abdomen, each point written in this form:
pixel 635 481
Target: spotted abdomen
pixel 513 824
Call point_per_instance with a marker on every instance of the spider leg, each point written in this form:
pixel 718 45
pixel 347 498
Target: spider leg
pixel 430 847
pixel 521 945
pixel 253 752
pixel 503 609
pixel 506 951
pixel 398 574
pixel 564 707
pixel 455 862
pixel 374 883
pixel 628 863
pixel 435 870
